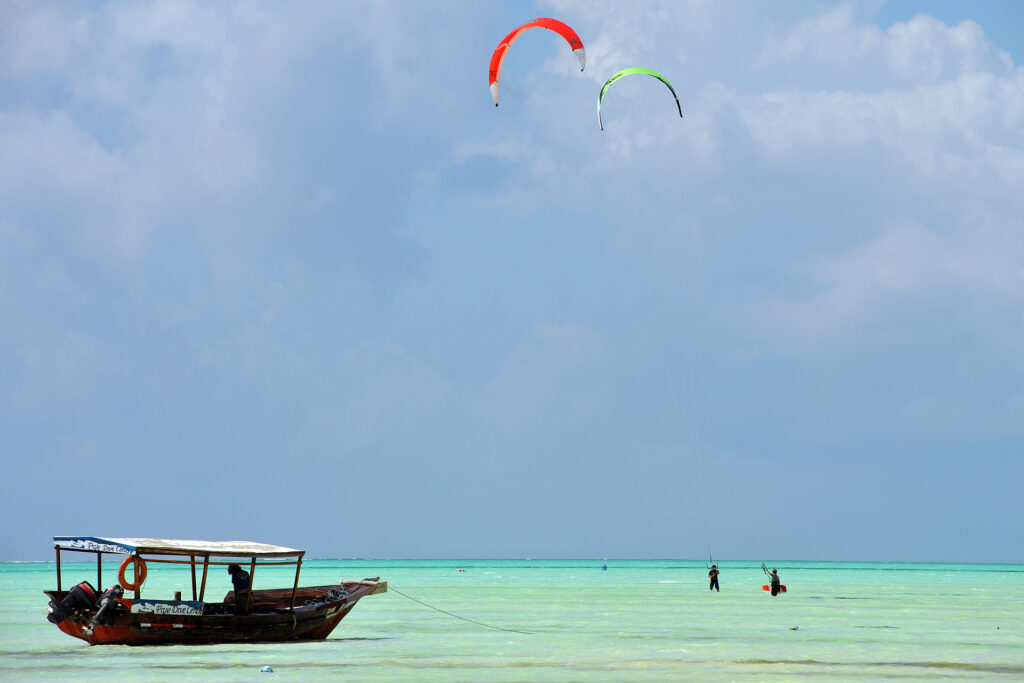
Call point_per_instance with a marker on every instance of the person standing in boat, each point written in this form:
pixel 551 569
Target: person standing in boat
pixel 713 575
pixel 240 579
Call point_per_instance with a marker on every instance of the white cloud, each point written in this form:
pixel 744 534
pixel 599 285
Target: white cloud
pixel 847 287
pixel 837 48
pixel 906 267
pixel 545 375
pixel 179 24
pixel 971 125
pixel 39 40
pixel 379 392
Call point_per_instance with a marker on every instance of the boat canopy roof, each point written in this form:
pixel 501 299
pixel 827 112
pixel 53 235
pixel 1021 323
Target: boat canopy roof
pixel 173 546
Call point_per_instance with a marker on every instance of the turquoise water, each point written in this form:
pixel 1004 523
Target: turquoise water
pixel 637 621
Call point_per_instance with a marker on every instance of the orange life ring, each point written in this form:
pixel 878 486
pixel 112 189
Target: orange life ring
pixel 124 567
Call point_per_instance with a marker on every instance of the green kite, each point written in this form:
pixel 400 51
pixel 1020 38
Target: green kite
pixel 630 72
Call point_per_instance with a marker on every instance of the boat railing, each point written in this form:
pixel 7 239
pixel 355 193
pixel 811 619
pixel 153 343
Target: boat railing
pixel 139 561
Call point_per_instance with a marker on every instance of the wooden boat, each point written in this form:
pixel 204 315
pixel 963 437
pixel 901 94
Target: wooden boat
pixel 121 616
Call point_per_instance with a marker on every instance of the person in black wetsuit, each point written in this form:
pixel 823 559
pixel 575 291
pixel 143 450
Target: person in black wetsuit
pixel 240 580
pixel 713 575
pixel 774 578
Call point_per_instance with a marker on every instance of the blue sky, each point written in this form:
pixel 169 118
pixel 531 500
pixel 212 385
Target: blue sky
pixel 284 273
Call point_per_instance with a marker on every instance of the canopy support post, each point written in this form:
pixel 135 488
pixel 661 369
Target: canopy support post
pixel 206 567
pixel 135 570
pixel 57 548
pixel 248 595
pixel 193 559
pixel 295 586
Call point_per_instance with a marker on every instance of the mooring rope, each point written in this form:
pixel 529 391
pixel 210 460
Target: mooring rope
pixel 392 589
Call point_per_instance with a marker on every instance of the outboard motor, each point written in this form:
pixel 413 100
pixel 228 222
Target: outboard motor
pixel 81 597
pixel 107 609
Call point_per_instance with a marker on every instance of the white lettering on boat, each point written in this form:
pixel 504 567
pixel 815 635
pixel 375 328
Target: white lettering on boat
pixel 93 546
pixel 166 607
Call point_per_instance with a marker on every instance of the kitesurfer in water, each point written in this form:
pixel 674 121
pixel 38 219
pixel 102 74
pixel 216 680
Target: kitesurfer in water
pixel 774 580
pixel 713 575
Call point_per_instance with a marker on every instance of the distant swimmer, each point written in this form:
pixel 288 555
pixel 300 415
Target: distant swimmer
pixel 713 575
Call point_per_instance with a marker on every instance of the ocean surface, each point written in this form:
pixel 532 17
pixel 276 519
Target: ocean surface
pixel 637 621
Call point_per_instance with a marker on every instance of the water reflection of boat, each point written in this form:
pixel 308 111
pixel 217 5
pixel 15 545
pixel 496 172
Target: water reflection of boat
pixel 121 616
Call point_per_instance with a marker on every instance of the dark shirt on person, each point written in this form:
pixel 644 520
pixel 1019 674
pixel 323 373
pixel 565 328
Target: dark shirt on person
pixel 240 580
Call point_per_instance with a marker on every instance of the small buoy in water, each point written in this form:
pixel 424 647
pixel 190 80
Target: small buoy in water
pixel 462 570
pixel 267 670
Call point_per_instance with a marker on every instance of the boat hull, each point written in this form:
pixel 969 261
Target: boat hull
pixel 277 624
